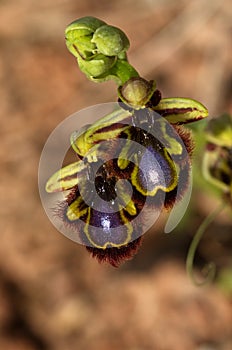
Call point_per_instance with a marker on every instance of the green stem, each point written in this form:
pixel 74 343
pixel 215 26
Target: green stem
pixel 210 268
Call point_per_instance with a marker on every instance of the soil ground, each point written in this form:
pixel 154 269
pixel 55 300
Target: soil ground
pixel 53 295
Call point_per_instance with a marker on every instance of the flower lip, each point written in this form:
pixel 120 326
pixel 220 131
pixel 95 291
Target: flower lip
pixel 132 207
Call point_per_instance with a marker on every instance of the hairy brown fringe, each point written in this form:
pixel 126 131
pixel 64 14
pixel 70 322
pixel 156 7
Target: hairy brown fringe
pixel 116 256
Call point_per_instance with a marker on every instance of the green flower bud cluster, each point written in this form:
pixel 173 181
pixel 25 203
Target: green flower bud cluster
pixel 100 50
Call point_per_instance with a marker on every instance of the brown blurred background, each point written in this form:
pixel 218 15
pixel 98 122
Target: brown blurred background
pixel 53 295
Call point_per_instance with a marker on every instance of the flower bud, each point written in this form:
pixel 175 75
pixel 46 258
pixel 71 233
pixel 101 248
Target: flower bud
pixel 110 41
pixel 137 92
pixel 79 36
pixel 97 66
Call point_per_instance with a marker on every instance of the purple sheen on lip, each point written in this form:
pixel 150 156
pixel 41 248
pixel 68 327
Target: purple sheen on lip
pixel 156 170
pixel 110 231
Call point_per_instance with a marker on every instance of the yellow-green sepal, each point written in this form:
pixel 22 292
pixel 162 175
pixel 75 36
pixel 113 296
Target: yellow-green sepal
pixel 178 110
pixel 102 130
pixel 65 178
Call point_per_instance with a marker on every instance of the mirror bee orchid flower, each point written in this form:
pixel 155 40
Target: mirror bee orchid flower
pixel 132 163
